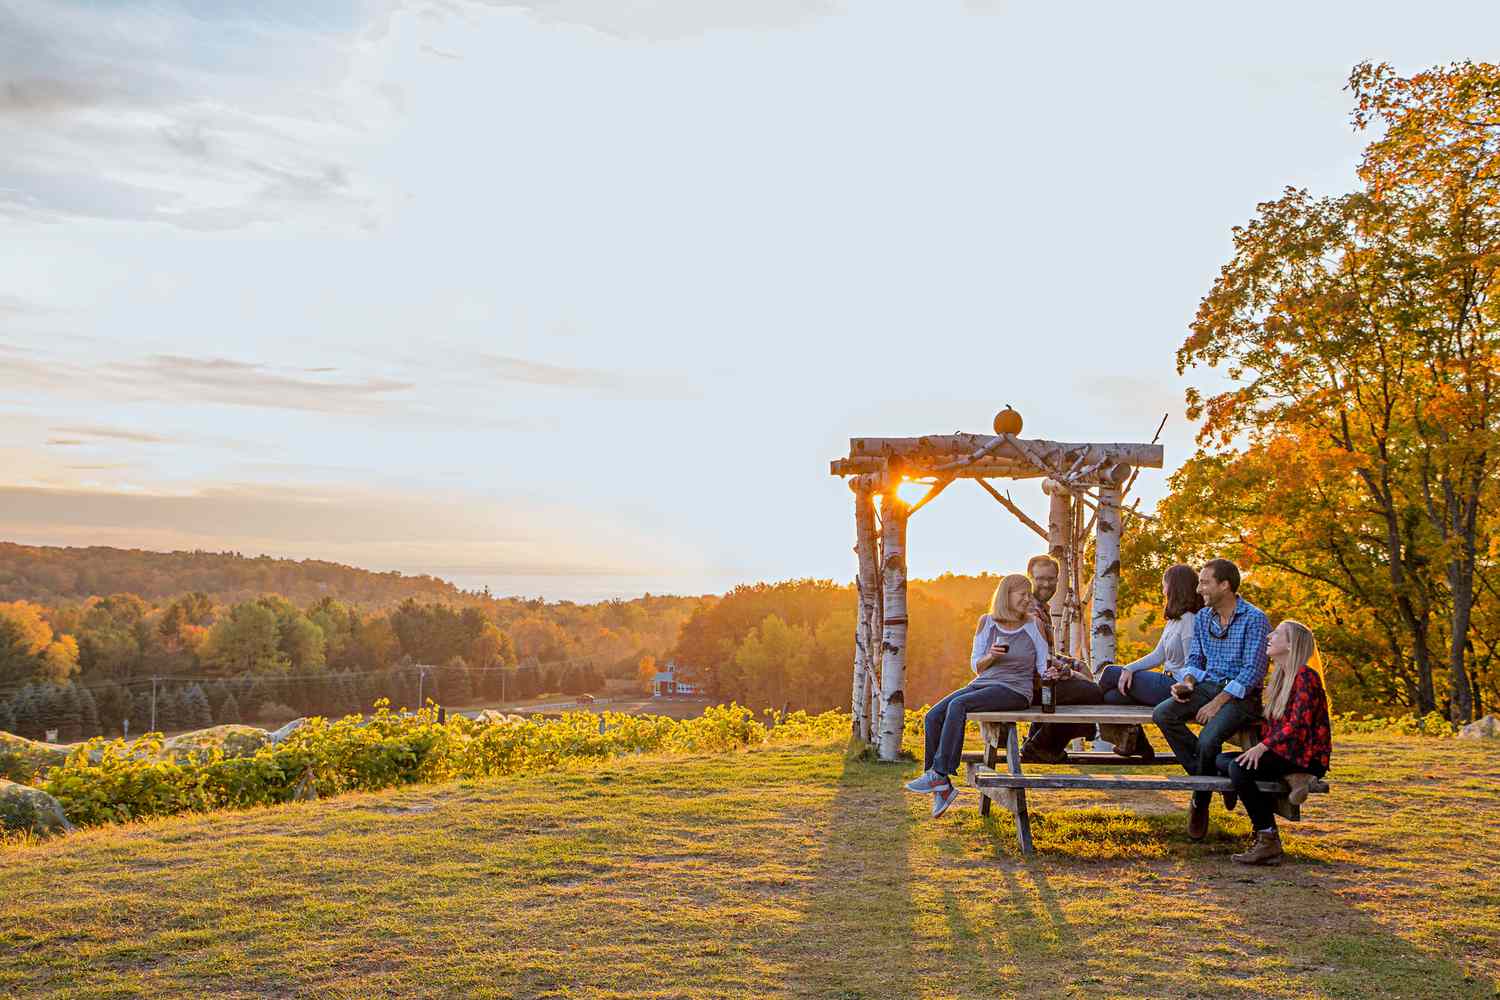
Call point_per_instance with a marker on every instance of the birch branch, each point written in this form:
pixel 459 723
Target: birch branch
pixel 1009 505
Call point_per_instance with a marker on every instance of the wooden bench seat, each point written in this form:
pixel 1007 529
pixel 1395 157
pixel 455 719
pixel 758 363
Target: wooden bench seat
pixel 985 777
pixel 1000 732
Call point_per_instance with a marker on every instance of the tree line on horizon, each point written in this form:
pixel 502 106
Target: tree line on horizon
pixel 84 668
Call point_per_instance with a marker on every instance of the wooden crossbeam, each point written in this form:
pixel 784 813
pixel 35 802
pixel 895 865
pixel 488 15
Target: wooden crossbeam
pixel 988 778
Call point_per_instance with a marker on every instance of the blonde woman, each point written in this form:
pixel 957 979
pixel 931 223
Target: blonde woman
pixel 1009 653
pixel 1295 743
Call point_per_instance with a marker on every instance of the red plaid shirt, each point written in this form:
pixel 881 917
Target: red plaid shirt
pixel 1043 616
pixel 1302 735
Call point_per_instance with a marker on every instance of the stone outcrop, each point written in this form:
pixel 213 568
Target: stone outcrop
pixel 233 740
pixel 280 735
pixel 1487 728
pixel 21 759
pixel 491 717
pixel 30 809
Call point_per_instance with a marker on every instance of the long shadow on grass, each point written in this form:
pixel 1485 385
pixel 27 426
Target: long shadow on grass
pixel 856 940
pixel 1294 922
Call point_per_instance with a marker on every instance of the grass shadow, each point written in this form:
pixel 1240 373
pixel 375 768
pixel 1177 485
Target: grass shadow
pixel 856 939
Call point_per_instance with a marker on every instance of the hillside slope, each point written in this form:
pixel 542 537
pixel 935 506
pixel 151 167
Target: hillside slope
pixel 786 872
pixel 52 575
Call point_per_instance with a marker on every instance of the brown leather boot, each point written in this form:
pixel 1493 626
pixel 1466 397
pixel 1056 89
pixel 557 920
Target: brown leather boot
pixel 1197 819
pixel 1299 783
pixel 1265 849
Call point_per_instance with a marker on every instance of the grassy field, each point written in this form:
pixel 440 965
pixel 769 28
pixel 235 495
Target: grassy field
pixel 782 872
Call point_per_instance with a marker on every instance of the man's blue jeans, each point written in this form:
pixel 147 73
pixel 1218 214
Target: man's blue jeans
pixel 945 721
pixel 1147 687
pixel 1198 753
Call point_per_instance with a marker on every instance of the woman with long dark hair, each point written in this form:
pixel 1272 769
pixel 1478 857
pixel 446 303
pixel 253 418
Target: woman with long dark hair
pixel 1139 682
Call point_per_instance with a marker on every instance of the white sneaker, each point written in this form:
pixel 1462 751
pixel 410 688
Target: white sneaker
pixel 929 781
pixel 942 799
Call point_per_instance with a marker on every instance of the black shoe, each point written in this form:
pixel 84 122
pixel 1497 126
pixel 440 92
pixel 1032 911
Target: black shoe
pixel 1035 753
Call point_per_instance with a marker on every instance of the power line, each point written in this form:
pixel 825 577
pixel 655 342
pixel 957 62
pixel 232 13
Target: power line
pixel 250 679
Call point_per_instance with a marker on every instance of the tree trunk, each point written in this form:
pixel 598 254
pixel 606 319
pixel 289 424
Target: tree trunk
pixel 1417 620
pixel 1060 547
pixel 866 628
pixel 1464 519
pixel 893 511
pixel 1106 577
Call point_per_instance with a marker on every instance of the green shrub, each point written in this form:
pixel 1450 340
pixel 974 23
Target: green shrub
pixel 1433 724
pixel 113 781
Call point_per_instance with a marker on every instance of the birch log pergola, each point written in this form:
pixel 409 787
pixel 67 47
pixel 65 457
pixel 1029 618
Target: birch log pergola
pixel 1075 477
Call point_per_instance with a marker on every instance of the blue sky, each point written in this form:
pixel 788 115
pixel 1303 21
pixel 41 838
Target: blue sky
pixel 578 298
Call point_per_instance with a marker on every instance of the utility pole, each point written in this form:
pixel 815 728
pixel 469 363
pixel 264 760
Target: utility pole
pixel 421 686
pixel 153 703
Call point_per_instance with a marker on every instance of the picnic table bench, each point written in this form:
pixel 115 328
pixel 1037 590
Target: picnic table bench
pixel 1009 789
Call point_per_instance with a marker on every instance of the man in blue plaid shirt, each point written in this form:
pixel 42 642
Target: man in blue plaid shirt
pixel 1226 665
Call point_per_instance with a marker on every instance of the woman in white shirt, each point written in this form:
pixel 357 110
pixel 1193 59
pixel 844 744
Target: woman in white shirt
pixel 1137 683
pixel 1009 653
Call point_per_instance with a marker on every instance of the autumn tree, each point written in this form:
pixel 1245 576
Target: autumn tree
pixel 1363 329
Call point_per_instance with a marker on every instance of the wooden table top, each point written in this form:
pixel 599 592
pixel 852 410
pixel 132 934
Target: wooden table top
pixel 1125 715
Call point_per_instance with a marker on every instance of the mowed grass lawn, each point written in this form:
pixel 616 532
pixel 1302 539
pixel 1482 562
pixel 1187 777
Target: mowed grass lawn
pixel 780 872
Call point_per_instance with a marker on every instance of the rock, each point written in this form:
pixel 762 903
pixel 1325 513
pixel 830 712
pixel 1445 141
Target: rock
pixel 492 717
pixel 25 808
pixel 280 735
pixel 21 759
pixel 234 740
pixel 1487 728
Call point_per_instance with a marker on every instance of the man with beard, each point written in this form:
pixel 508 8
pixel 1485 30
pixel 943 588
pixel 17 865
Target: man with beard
pixel 1046 741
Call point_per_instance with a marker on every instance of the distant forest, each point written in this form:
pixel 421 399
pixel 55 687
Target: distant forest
pixel 233 638
pixel 53 575
pixel 229 638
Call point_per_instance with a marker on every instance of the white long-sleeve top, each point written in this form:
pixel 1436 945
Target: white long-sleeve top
pixel 1026 657
pixel 1171 649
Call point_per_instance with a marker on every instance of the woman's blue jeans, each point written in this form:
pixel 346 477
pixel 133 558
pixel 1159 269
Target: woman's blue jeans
pixel 1147 687
pixel 945 721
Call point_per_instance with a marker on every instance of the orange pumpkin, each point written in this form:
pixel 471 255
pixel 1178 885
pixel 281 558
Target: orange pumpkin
pixel 1007 421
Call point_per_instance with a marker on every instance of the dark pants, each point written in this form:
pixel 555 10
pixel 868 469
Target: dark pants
pixel 1258 804
pixel 1198 753
pixel 945 721
pixel 1147 687
pixel 1054 736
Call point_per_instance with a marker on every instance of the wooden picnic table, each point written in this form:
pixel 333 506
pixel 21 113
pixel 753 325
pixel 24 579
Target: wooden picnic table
pixel 999 730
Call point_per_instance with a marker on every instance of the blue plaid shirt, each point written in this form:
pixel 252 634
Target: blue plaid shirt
pixel 1236 656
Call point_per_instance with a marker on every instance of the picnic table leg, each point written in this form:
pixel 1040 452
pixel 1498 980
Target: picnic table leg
pixel 987 732
pixel 1018 795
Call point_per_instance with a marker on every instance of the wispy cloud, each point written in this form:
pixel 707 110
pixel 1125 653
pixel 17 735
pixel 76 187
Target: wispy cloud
pixel 618 384
pixel 201 116
pixel 671 20
pixel 114 433
pixel 243 383
pixel 384 530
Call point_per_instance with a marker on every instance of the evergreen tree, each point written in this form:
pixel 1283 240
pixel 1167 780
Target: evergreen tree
pixel 90 708
pixel 456 687
pixel 7 717
pixel 195 710
pixel 169 711
pixel 217 692
pixel 348 694
pixel 26 712
pixel 229 711
pixel 114 707
pixel 140 712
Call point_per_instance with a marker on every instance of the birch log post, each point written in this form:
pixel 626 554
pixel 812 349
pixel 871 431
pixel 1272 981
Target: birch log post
pixel 1060 548
pixel 867 627
pixel 1106 576
pixel 893 513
